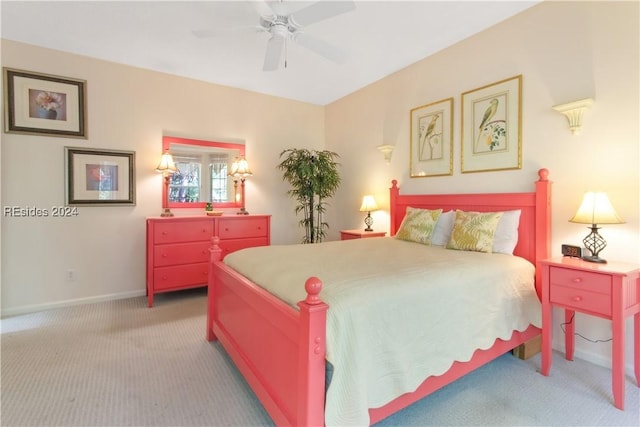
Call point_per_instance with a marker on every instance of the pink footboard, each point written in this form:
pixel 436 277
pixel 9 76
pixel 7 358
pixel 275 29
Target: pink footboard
pixel 279 350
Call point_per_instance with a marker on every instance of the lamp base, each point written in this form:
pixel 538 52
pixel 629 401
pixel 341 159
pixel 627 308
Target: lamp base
pixel 166 213
pixel 368 221
pixel 594 258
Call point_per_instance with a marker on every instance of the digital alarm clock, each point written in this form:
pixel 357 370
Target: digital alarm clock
pixel 573 251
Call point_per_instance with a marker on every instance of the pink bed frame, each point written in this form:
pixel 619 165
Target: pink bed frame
pixel 280 351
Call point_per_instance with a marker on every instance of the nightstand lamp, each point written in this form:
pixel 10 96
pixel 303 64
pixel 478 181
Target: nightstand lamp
pixel 167 167
pixel 595 209
pixel 368 204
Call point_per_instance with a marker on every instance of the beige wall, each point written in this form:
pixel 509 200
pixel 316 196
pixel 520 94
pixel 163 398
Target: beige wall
pixel 129 109
pixel 565 51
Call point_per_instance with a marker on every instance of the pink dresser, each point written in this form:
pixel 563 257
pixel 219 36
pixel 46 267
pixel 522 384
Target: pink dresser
pixel 178 247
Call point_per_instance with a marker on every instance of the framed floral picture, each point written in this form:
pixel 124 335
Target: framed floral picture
pixel 99 177
pixel 431 139
pixel 42 104
pixel 491 127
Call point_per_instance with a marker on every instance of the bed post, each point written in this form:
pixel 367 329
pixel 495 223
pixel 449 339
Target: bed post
pixel 393 208
pixel 311 357
pixel 216 255
pixel 543 222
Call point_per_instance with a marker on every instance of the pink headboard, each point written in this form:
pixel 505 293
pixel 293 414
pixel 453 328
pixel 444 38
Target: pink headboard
pixel 534 232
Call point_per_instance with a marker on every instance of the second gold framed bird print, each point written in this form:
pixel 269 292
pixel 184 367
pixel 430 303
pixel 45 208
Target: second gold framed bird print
pixel 491 127
pixel 431 139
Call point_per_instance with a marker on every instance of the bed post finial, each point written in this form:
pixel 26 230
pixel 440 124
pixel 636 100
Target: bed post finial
pixel 313 286
pixel 543 173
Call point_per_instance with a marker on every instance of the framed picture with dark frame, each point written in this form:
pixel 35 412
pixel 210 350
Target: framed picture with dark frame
pixel 491 127
pixel 96 177
pixel 432 139
pixel 42 104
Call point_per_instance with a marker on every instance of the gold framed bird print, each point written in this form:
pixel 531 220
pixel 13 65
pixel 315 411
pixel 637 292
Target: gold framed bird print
pixel 491 127
pixel 431 144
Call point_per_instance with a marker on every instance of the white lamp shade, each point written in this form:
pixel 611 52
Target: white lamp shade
pixel 167 164
pixel 240 168
pixel 596 209
pixel 368 204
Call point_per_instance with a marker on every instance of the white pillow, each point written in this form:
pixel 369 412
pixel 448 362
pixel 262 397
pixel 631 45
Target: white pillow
pixel 444 225
pixel 505 237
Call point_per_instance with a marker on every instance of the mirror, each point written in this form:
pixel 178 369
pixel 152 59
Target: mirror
pixel 202 175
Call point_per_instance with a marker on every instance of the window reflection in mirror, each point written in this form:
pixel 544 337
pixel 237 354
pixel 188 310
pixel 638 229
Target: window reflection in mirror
pixel 202 175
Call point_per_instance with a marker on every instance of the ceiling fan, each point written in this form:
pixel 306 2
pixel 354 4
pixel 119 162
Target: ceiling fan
pixel 284 23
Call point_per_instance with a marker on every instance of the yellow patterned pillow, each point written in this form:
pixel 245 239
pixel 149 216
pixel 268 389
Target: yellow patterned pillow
pixel 418 225
pixel 473 231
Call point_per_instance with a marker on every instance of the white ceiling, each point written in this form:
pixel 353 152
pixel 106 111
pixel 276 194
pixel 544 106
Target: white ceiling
pixel 380 37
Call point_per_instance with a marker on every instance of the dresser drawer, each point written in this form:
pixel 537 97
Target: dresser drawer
pixel 583 280
pixel 239 228
pixel 180 276
pixel 183 231
pixel 180 253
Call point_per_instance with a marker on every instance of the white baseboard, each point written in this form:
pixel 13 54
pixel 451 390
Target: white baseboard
pixel 596 359
pixel 69 303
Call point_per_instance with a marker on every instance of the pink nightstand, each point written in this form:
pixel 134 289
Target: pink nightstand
pixel 610 291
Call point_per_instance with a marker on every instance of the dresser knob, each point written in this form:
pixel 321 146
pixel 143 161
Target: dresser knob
pixel 577 280
pixel 164 255
pixel 577 299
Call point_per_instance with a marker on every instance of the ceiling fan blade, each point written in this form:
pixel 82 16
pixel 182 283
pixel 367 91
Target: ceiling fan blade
pixel 275 47
pixel 264 10
pixel 322 48
pixel 320 11
pixel 278 7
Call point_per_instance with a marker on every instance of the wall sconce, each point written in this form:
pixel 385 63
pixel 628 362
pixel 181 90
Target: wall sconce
pixel 386 151
pixel 573 111
pixel 167 167
pixel 240 170
pixel 368 204
pixel 595 209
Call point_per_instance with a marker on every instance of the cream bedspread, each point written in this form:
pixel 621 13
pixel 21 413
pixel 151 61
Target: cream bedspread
pixel 399 312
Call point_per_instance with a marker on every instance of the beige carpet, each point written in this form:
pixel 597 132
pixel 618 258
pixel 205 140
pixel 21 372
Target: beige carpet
pixel 120 363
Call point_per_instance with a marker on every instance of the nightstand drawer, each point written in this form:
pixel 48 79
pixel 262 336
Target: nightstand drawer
pixel 581 299
pixel 583 280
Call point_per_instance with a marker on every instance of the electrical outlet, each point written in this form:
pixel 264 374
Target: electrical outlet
pixel 71 275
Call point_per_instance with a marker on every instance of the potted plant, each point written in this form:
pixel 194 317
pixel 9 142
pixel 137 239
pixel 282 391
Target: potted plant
pixel 314 177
